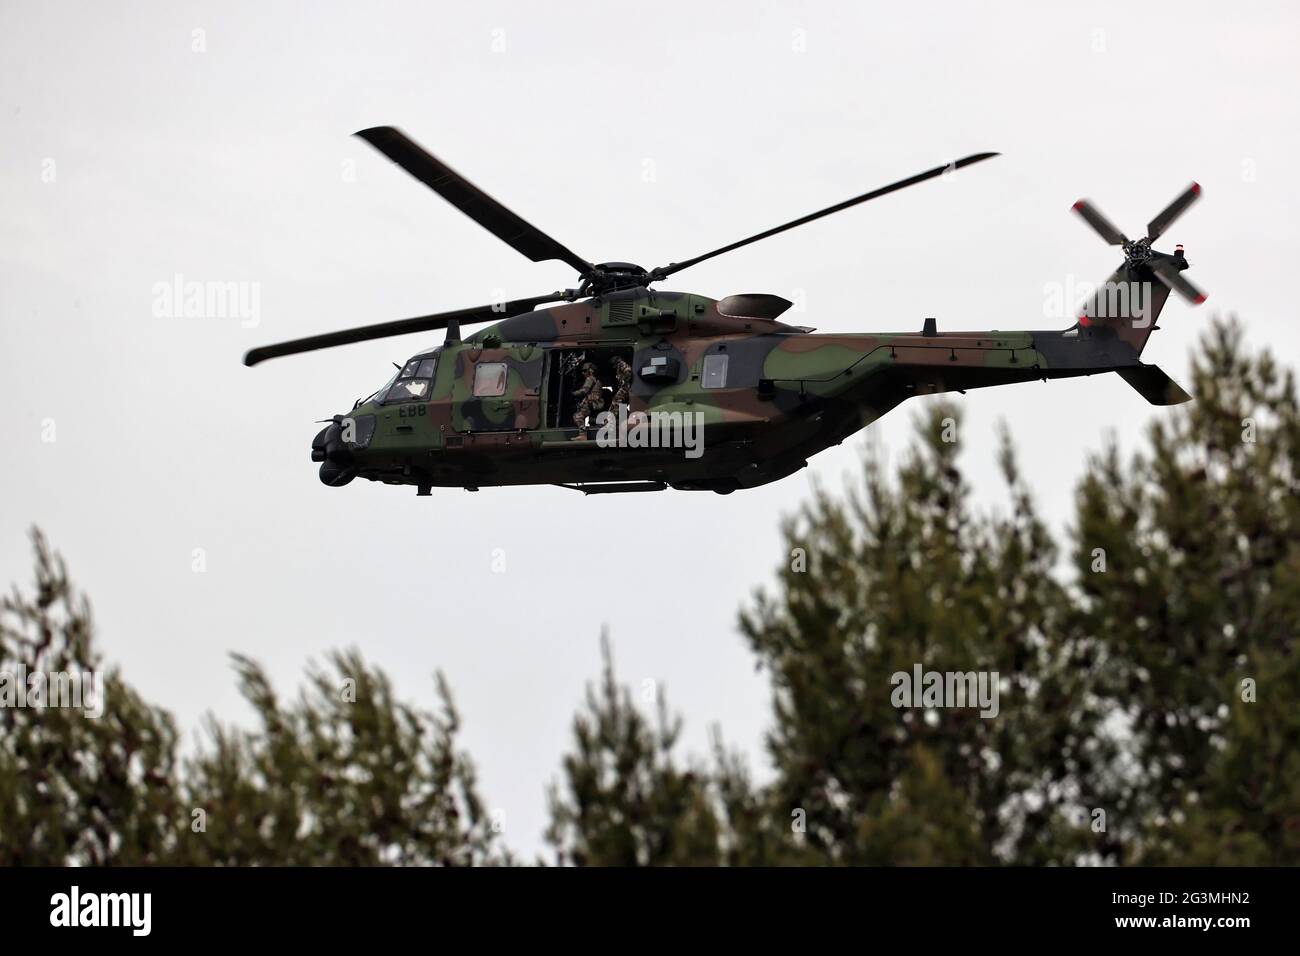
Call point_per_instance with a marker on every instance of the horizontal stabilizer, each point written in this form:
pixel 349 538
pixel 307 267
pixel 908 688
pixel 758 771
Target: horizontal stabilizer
pixel 1154 385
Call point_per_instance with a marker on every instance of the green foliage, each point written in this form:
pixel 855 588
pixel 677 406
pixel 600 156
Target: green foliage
pixel 344 775
pixel 1202 592
pixel 626 801
pixel 900 574
pixel 75 789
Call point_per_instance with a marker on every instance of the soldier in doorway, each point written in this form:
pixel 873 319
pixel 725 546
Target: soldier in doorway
pixel 622 383
pixel 591 397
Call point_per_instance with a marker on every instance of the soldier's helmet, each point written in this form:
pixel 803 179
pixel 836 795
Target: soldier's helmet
pixel 588 367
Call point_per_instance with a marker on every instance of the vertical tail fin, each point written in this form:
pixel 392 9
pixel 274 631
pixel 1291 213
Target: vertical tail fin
pixel 1129 302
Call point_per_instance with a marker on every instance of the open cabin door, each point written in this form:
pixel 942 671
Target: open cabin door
pixel 497 390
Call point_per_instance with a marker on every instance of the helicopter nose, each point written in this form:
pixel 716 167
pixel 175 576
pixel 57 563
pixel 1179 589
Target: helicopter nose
pixel 318 444
pixel 335 457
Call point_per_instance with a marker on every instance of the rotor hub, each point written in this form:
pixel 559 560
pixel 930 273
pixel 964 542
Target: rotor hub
pixel 613 276
pixel 1137 251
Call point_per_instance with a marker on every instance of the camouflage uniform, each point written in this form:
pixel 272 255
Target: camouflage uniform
pixel 593 399
pixel 622 382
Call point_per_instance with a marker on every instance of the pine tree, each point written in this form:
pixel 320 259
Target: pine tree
pixel 76 788
pixel 1197 614
pixel 346 775
pixel 343 775
pixel 903 574
pixel 626 801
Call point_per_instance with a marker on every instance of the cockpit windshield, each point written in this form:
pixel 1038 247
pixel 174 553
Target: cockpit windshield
pixel 412 383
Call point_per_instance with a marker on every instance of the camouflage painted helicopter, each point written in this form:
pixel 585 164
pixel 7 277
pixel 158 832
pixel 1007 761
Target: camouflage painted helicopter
pixel 507 406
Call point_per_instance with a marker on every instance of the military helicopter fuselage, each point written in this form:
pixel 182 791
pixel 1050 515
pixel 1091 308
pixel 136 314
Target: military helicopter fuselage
pixel 763 396
pixel 616 386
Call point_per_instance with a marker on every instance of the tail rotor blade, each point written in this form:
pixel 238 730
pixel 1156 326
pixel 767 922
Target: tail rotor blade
pixel 1170 276
pixel 1100 223
pixel 1158 225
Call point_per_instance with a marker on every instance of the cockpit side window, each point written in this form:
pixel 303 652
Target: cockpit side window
pixel 413 383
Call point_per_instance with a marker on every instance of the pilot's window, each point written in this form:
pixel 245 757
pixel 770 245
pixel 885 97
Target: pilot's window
pixel 715 371
pixel 413 383
pixel 489 379
pixel 408 390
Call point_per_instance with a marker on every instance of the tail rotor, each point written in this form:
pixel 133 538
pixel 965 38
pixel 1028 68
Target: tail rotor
pixel 1138 253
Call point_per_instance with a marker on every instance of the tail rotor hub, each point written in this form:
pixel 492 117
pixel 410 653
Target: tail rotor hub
pixel 1137 251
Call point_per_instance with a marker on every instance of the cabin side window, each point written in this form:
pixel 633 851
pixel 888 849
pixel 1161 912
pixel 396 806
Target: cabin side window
pixel 489 379
pixel 714 374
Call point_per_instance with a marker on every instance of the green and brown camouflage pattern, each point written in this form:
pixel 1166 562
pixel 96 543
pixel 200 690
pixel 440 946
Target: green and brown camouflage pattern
pixel 789 392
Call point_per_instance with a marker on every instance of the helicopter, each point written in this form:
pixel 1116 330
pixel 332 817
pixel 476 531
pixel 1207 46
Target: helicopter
pixel 715 395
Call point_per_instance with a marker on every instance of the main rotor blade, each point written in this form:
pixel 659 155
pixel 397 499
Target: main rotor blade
pixel 469 199
pixel 422 323
pixel 1173 278
pixel 1104 227
pixel 1158 225
pixel 672 267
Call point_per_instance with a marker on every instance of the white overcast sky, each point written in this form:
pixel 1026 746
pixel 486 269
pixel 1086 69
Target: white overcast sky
pixel 229 164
